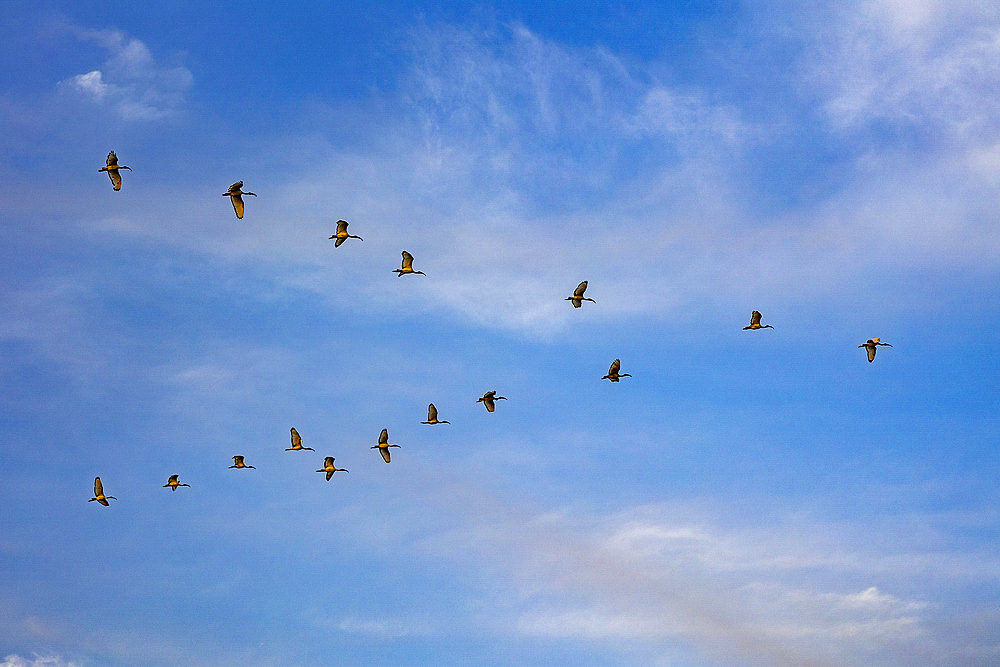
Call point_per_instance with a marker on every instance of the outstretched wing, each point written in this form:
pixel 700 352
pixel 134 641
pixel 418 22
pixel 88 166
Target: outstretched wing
pixel 384 451
pixel 173 478
pixel 432 413
pixel 237 205
pixel 339 241
pixel 342 226
pixel 870 347
pixel 755 318
pixel 112 160
pixel 580 289
pixel 383 438
pixel 296 440
pixel 488 402
pixel 407 260
pixel 98 487
pixel 616 366
pixel 116 178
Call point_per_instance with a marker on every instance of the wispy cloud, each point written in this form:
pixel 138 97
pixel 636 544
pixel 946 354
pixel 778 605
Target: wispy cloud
pixel 14 660
pixel 130 83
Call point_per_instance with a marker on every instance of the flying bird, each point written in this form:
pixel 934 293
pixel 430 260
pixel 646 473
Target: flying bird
pixel 329 468
pixel 342 234
pixel 613 373
pixel 383 444
pixel 488 399
pixel 238 463
pixel 432 416
pixel 99 493
pixel 236 195
pixel 407 266
pixel 870 347
pixel 297 443
pixel 173 483
pixel 755 322
pixel 578 297
pixel 113 168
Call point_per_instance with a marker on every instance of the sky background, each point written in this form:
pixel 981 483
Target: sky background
pixel 747 497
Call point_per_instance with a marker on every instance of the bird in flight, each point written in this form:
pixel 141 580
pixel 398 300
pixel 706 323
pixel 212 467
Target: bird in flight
pixel 488 398
pixel 870 344
pixel 238 463
pixel 613 373
pixel 342 234
pixel 297 443
pixel 99 494
pixel 383 444
pixel 236 195
pixel 755 322
pixel 113 168
pixel 173 483
pixel 329 468
pixel 578 298
pixel 432 416
pixel 407 266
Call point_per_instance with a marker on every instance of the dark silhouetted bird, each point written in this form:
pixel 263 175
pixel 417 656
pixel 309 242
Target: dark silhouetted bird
pixel 342 234
pixel 297 443
pixel 173 483
pixel 236 195
pixel 407 266
pixel 578 298
pixel 113 171
pixel 99 494
pixel 383 444
pixel 613 373
pixel 432 416
pixel 488 398
pixel 755 322
pixel 329 468
pixel 870 344
pixel 238 463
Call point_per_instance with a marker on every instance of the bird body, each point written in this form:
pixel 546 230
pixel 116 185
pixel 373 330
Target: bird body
pixel 329 468
pixel 488 399
pixel 342 234
pixel 99 494
pixel 173 483
pixel 578 298
pixel 383 445
pixel 755 322
pixel 869 346
pixel 613 372
pixel 238 463
pixel 236 195
pixel 407 266
pixel 113 169
pixel 297 443
pixel 432 416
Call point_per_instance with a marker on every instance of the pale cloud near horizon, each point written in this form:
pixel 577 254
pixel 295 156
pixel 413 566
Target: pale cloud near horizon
pixel 131 83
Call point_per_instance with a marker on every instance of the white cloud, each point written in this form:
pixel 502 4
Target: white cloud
pixel 14 660
pixel 131 83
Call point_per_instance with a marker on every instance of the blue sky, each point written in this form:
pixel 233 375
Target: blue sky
pixel 747 497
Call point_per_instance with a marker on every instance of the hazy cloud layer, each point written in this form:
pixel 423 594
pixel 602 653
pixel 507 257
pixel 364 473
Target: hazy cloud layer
pixel 131 83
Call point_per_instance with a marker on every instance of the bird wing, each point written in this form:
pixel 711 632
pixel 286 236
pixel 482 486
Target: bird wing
pixel 98 487
pixel 341 226
pixel 384 451
pixel 580 289
pixel 173 478
pixel 237 205
pixel 488 402
pixel 116 178
pixel 296 439
pixel 339 241
pixel 755 318
pixel 871 352
pixel 432 413
pixel 383 437
pixel 407 260
pixel 327 462
pixel 616 366
pixel 329 474
pixel 104 502
pixel 235 187
pixel 112 159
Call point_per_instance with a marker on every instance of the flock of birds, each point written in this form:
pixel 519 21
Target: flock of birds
pixel 235 194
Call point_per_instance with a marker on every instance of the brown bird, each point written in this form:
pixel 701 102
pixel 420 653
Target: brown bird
pixel 236 195
pixel 297 443
pixel 578 297
pixel 99 494
pixel 755 322
pixel 432 416
pixel 113 168
pixel 329 468
pixel 407 266
pixel 613 373
pixel 342 234
pixel 238 463
pixel 870 347
pixel 488 399
pixel 173 483
pixel 383 444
